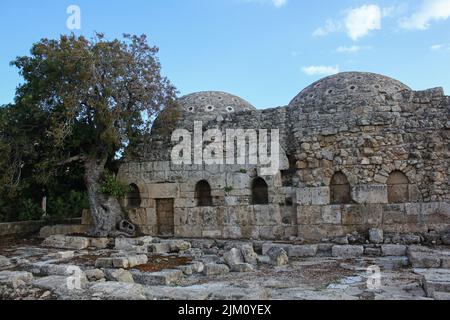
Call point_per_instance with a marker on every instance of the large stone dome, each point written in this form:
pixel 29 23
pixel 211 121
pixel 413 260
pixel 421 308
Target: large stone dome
pixel 361 88
pixel 213 103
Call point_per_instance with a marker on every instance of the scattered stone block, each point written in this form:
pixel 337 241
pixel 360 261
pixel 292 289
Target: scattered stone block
pixel 65 242
pixel 137 260
pixel 268 245
pixel 104 263
pixel 94 275
pixel 242 267
pixel 421 257
pixel 278 256
pixel 376 236
pixel 99 243
pixel 187 270
pixel 249 254
pixel 214 269
pixel 373 252
pixel 197 266
pixel 163 247
pixel 302 251
pixel 263 259
pixel 178 245
pixel 347 251
pixel 117 291
pixel 120 262
pixel 119 275
pixel 436 280
pixel 233 257
pixel 393 250
pixel 5 262
pixel 162 278
pixel 15 279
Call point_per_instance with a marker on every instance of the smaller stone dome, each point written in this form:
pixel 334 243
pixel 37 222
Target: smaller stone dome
pixel 213 103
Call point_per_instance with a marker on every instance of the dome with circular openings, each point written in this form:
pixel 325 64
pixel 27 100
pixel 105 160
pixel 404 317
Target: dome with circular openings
pixel 213 103
pixel 356 88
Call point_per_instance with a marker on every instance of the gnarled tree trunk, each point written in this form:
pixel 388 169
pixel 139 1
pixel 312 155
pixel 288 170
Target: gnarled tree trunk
pixel 105 210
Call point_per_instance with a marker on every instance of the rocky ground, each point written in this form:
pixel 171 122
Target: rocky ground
pixel 76 267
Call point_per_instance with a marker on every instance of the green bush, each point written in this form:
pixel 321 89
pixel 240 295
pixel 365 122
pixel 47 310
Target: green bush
pixel 112 187
pixel 31 211
pixel 69 206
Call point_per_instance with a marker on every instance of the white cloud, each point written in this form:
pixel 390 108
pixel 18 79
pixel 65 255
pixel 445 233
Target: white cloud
pixel 279 3
pixel 441 47
pixel 320 70
pixel 429 11
pixel 275 3
pixel 360 21
pixel 330 27
pixel 350 49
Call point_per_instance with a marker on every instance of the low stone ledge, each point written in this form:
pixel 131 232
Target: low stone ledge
pixel 347 251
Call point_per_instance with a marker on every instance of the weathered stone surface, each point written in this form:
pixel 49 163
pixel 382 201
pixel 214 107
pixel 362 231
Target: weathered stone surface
pixel 214 269
pixel 393 250
pixel 99 243
pixel 421 257
pixel 376 236
pixel 120 262
pixel 347 251
pixel 119 275
pixel 248 253
pixel 278 256
pixel 162 278
pixel 269 245
pixel 4 262
pixel 94 274
pixel 66 242
pixel 163 247
pixel 104 263
pixel 178 245
pixel 15 279
pixel 233 257
pixel 302 251
pixel 187 270
pixel 117 291
pixel 435 280
pixel 197 266
pixel 137 260
pixel 242 267
pixel 191 293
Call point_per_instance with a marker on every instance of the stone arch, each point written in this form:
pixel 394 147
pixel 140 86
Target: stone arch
pixel 203 194
pixel 133 196
pixel 340 192
pixel 398 187
pixel 260 192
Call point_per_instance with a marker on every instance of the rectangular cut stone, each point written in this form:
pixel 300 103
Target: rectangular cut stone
pixel 163 190
pixel 347 251
pixel 332 214
pixel 162 278
pixel 393 250
pixel 320 196
pixel 163 247
pixel 302 251
pixel 304 196
pixel 269 245
pixel 365 194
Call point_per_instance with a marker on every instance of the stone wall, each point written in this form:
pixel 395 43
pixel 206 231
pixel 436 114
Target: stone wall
pixel 386 142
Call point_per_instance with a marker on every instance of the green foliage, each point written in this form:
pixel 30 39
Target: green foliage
pixel 91 98
pixel 31 211
pixel 112 187
pixel 243 171
pixel 68 206
pixel 228 189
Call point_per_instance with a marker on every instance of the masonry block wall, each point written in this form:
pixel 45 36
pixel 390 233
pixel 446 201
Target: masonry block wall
pixel 359 150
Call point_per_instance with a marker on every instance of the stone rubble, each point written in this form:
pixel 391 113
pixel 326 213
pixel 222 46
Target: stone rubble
pixel 224 270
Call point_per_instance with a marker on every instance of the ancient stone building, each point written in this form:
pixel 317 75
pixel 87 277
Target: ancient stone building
pixel 359 151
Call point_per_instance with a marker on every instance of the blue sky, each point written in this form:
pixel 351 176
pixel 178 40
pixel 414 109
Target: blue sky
pixel 265 51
